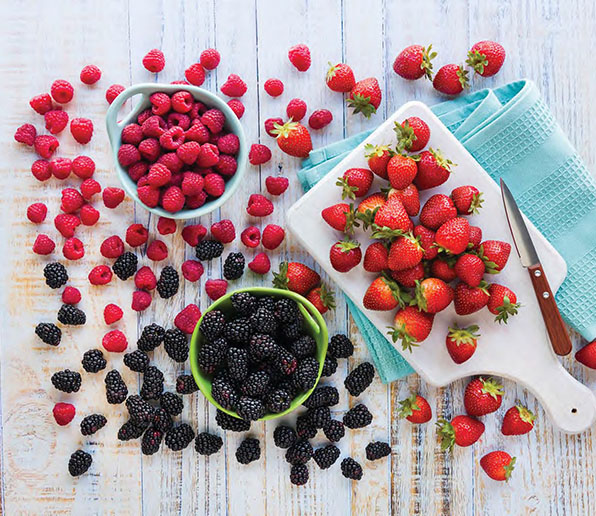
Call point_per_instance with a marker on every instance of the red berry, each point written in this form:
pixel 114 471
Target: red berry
pixel 132 134
pixel 229 144
pixel 41 103
pixel 113 91
pixel 72 200
pixel 296 109
pixel 145 279
pixel 320 118
pixel 112 196
pixel 259 154
pixel 299 56
pixel 43 245
pixel 172 138
pixel 166 226
pixel 209 58
pixel 141 300
pixel 223 231
pixel 208 155
pixel 259 206
pixel 587 355
pixel 56 120
pixel 159 175
pixel 81 130
pixel 112 313
pixel 273 236
pixel 100 275
pixel 62 91
pixel 37 212
pixel 71 295
pixel 61 167
pixel 63 413
pixel 215 288
pixel 451 79
pixel 45 145
pixel 270 125
pixel 340 78
pixel 112 247
pixel 192 184
pixel 251 236
pixel 136 235
pixel 83 167
pixel 41 170
pixel 90 74
pixel 150 149
pixel 414 62
pixel 154 61
pixel 486 58
pixel 148 195
pixel 274 87
pixel 192 270
pixel 128 155
pixel 89 215
pixel 260 264
pixel 214 119
pixel 114 341
pixel 195 74
pixel 188 152
pixel 153 127
pixel 193 234
pixel 234 86
pixel 160 103
pixel 187 318
pixel 237 107
pixel 276 185
pixel 215 186
pixel 66 224
pixel 157 251
pixel 173 199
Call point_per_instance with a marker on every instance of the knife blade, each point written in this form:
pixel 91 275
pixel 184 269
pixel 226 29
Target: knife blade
pixel 529 258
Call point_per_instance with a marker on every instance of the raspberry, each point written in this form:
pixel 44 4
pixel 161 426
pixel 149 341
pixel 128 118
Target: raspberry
pixel 100 275
pixel 159 175
pixel 214 185
pixel 214 119
pixel 192 184
pixel 141 300
pixel 112 197
pixel 37 212
pixel 172 138
pixel 182 102
pixel 41 103
pixel 193 234
pixel 71 296
pixel 166 226
pixel 160 103
pixel 196 201
pixel 61 168
pixel 270 125
pixel 180 119
pixel 210 58
pixel 153 127
pixel 45 145
pixel 234 86
pixel 299 56
pixel 188 152
pixel 208 155
pixel 148 195
pixel 145 279
pixel 150 149
pixel 136 235
pixel 73 249
pixel 26 134
pixel 43 245
pixel 114 341
pixel 138 170
pixel 223 231
pixel 112 247
pixel 128 155
pixel 112 313
pixel 192 270
pixel 83 167
pixel 251 236
pixel 259 206
pixel 72 200
pixel 56 120
pixel 296 109
pixel 41 170
pixel 320 118
pixel 66 224
pixel 215 288
pixel 154 61
pixel 157 251
pixel 63 413
pixel 113 91
pixel 195 74
pixel 274 87
pixel 360 378
pixel 188 318
pixel 144 116
pixel 237 107
pixel 62 91
pixel 90 74
pixel 273 236
pixel 173 199
pixel 277 185
pixel 229 144
pixel 197 132
pixel 89 215
pixel 132 134
pixel 81 130
pixel 260 264
pixel 259 154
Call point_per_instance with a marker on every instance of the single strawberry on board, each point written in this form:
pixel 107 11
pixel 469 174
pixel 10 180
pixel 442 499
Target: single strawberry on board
pixel 433 295
pixel 437 210
pixel 378 156
pixel 365 97
pixel 461 342
pixel 355 182
pixel 587 355
pixel 433 169
pixel 502 302
pixel 498 465
pixel 408 277
pixel 293 138
pixel 405 252
pixel 401 171
pixel 414 62
pixel 375 257
pixel 518 420
pixel 468 300
pixel 322 298
pixel 412 134
pixel 451 79
pixel 409 197
pixel 483 396
pixel 345 255
pixel 462 430
pixel 297 277
pixel 393 216
pixel 384 294
pixel 340 78
pixel 486 58
pixel 467 199
pixel 495 254
pixel 341 216
pixel 453 236
pixel 470 269
pixel 415 409
pixel 411 326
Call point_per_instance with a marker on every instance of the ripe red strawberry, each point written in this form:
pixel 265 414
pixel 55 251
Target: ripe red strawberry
pixel 368 207
pixel 444 268
pixel 587 355
pixel 299 56
pixel 384 294
pixel 365 97
pixel 415 409
pixel 451 79
pixel 436 211
pixel 433 295
pixel 453 236
pixel 433 169
pixel 498 465
pixel 502 302
pixel 408 277
pixel 322 298
pixel 412 134
pixel 486 58
pixel 467 199
pixel 463 431
pixel 518 420
pixel 461 342
pixel 293 138
pixel 340 78
pixel 378 156
pixel 427 239
pixel 340 216
pixel 468 300
pixel 393 215
pixel 470 269
pixel 344 256
pixel 475 238
pixel 411 326
pixel 297 277
pixel 482 396
pixel 409 197
pixel 405 252
pixel 495 254
pixel 355 182
pixel 375 257
pixel 414 62
pixel 401 171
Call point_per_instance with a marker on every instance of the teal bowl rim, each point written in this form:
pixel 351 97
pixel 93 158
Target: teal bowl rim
pixel 114 129
pixel 309 309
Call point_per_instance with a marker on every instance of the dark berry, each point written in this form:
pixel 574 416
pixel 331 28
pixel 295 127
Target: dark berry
pixel 49 333
pixel 55 274
pixel 358 417
pixel 250 409
pixel 152 384
pixel 304 346
pixel 244 303
pixel 306 373
pixel 334 430
pixel 213 324
pixel 151 337
pixel 92 423
pixel 325 457
pixel 377 450
pixel 71 315
pixel 79 462
pixel 299 474
pixel 292 330
pixel 212 354
pixel 168 282
pixel 237 361
pixel 151 441
pixel 208 444
pixel 136 361
pixel 185 384
pixel 234 424
pixel 262 346
pixel 299 453
pixel 304 427
pixel 116 390
pixel 319 417
pixel 125 265
pixel 351 469
pixel 255 385
pixel 329 366
pixel 179 437
pixel 224 393
pixel 248 451
pixel 263 321
pixel 286 310
pixel 175 343
pixel 131 430
pixel 67 381
pixel 360 378
pixel 267 302
pixel 139 410
pixel 340 347
pixel 238 330
pixel 323 396
pixel 284 436
pixel 286 362
pixel 162 421
pixel 277 401
pixel 234 266
pixel 208 249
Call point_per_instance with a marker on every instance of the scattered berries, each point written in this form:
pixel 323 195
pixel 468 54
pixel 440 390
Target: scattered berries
pixel 299 56
pixel 259 206
pixel 79 463
pixel 351 469
pixel 320 118
pixel 90 74
pixel 63 413
pixel 234 86
pixel 259 154
pixel 296 109
pixel 223 231
pixel 274 87
pixel 55 121
pixel 377 450
pixel 276 185
pixel 260 264
pixel 210 58
pixel 273 235
pixel 49 333
pixel 154 61
pixel 71 296
pixel 67 381
pixel 187 318
pixel 55 275
pixel 100 275
pixel 62 91
pixel 81 130
pixel 248 451
pixel 41 103
pixel 37 212
pixel 93 361
pixel 340 78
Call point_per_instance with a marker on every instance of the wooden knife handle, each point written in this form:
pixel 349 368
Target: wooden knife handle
pixel 555 326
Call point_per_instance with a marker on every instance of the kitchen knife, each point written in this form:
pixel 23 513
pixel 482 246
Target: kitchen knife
pixel 555 326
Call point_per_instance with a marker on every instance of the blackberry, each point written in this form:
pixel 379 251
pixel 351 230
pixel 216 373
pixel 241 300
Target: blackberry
pixel 304 427
pixel 238 331
pixel 116 390
pixel 325 457
pixel 92 423
pixel 175 343
pixel 67 381
pixel 49 333
pixel 185 384
pixel 213 324
pixel 125 265
pixel 136 361
pixel 55 274
pixel 179 437
pixel 261 346
pixel 299 453
pixel 161 420
pixel 357 417
pixel 237 361
pixel 79 462
pixel 284 436
pixel 152 384
pixel 234 266
pixel 286 310
pixel 299 474
pixel 71 315
pixel 255 385
pixel 329 366
pixel 244 303
pixel 340 347
pixel 267 302
pixel 139 410
pixel 263 321
pixel 250 409
pixel 248 451
pixel 208 249
pixel 168 282
pixel 306 373
pixel 323 396
pixel 351 469
pixel 93 361
pixel 277 401
pixel 360 378
pixel 208 444
pixel 151 441
pixel 292 330
pixel 377 450
pixel 304 346
pixel 151 337
pixel 130 430
pixel 212 354
pixel 334 430
pixel 319 417
pixel 224 393
pixel 234 424
pixel 289 387
pixel 286 362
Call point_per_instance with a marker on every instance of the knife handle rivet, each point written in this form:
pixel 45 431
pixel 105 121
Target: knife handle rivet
pixel 545 295
pixel 537 273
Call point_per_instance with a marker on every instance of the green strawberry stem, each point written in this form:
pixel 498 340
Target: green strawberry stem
pixel 361 104
pixel 506 310
pixel 408 406
pixel 447 432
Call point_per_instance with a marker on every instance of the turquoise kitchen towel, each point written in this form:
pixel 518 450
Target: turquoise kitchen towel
pixel 512 134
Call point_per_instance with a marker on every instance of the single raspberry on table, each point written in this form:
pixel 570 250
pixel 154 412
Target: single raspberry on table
pixel 157 251
pixel 83 167
pixel 195 74
pixel 192 270
pixel 299 56
pixel 41 170
pixel 259 154
pixel 37 212
pixel 166 226
pixel 100 275
pixel 276 185
pixel 73 249
pixel 273 236
pixel 112 247
pixel 320 118
pixel 154 61
pixel 193 234
pixel 66 224
pixel 114 341
pixel 141 300
pixel 56 120
pixel 259 206
pixel 274 87
pixel 81 130
pixel 90 74
pixel 234 86
pixel 251 236
pixel 214 185
pixel 223 231
pixel 296 109
pixel 173 199
pixel 192 184
pixel 215 288
pixel 64 413
pixel 182 102
pixel 237 107
pixel 136 235
pixel 145 279
pixel 26 134
pixel 128 155
pixel 132 133
pixel 260 264
pixel 187 318
pixel 112 313
pixel 72 200
pixel 62 91
pixel 160 103
pixel 45 145
pixel 61 167
pixel 41 103
pixel 270 125
pixel 113 91
pixel 88 215
pixel 188 152
pixel 71 296
pixel 214 120
pixel 43 245
pixel 209 58
pixel 112 196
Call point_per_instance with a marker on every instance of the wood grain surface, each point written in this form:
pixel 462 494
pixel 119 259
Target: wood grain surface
pixel 548 41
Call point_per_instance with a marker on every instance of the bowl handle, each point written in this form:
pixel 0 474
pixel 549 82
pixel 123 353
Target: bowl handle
pixel 310 320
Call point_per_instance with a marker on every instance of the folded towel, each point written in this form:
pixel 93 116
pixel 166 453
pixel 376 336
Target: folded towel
pixel 512 134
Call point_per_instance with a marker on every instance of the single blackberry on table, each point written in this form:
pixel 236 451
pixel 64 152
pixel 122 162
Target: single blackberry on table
pixel 208 249
pixel 136 361
pixel 234 266
pixel 284 436
pixel 263 321
pixel 286 310
pixel 213 324
pixel 304 346
pixel 306 373
pixel 319 417
pixel 185 384
pixel 152 383
pixel 208 444
pixel 212 354
pixel 377 450
pixel 299 474
pixel 360 378
pixel 299 453
pixel 351 469
pixel 93 361
pixel 325 457
pixel 323 396
pixel 250 409
pixel 304 427
pixel 238 331
pixel 151 441
pixel 116 390
pixel 267 302
pixel 292 330
pixel 262 346
pixel 55 274
pixel 286 362
pixel 237 361
pixel 248 451
pixel 357 417
pixel 131 430
pixel 49 333
pixel 171 403
pixel 179 437
pixel 175 343
pixel 329 366
pixel 125 265
pixel 151 337
pixel 91 424
pixel 139 410
pixel 161 420
pixel 255 385
pixel 277 401
pixel 79 463
pixel 244 303
pixel 71 315
pixel 340 347
pixel 67 381
pixel 334 430
pixel 168 282
pixel 224 393
pixel 234 424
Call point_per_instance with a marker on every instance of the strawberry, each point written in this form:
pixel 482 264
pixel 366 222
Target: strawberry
pixel 470 269
pixel 414 62
pixel 518 420
pixel 427 239
pixel 467 199
pixel 482 396
pixel 475 238
pixel 378 156
pixel 341 216
pixel 415 409
pixel 384 294
pixel 433 169
pixel 401 171
pixel 436 211
pixel 486 58
pixel 393 215
pixel 468 300
pixel 293 138
pixel 451 79
pixel 411 326
pixel 433 295
pixel 412 134
pixel 322 298
pixel 340 78
pixel 409 197
pixel 368 208
pixel 344 256
pixel 444 268
pixel 453 236
pixel 297 277
pixel 365 97
pixel 408 277
pixel 498 465
pixel 495 254
pixel 462 430
pixel 502 302
pixel 461 342
pixel 375 257
pixel 355 182
pixel 405 252
pixel 587 355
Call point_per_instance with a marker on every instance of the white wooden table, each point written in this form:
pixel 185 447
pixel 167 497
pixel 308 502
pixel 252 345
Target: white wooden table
pixel 548 42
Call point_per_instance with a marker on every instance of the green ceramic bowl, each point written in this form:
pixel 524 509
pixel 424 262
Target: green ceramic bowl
pixel 209 99
pixel 314 325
